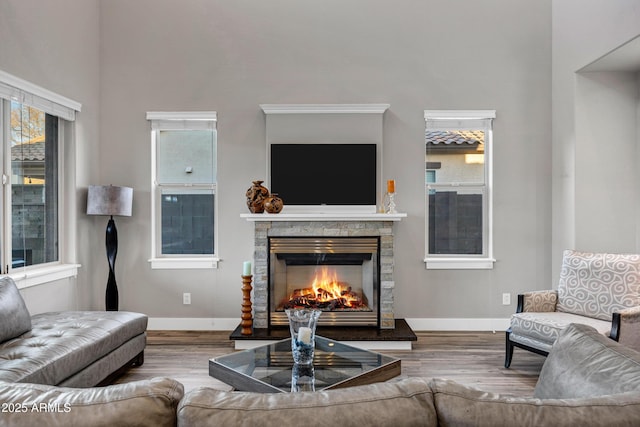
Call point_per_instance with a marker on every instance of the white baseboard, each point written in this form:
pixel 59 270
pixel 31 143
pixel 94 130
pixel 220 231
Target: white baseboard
pixel 192 324
pixel 417 324
pixel 450 324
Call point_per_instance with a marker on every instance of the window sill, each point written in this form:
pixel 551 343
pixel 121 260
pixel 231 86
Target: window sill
pixel 33 276
pixel 184 263
pixel 459 263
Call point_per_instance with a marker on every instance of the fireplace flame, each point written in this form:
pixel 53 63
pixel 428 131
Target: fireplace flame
pixel 325 292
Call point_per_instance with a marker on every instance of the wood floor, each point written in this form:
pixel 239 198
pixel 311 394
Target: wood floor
pixel 472 358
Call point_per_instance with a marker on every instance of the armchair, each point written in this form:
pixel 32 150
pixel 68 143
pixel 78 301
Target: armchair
pixel 597 289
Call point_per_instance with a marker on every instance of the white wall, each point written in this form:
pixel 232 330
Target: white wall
pixel 232 56
pixel 596 179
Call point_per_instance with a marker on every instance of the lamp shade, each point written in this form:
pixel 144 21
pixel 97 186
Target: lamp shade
pixel 109 200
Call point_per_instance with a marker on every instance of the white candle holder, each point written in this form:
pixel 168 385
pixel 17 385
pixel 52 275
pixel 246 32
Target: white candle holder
pixel 391 203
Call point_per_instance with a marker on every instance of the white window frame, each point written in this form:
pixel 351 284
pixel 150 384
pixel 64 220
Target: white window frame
pixel 180 120
pixel 486 260
pixel 13 88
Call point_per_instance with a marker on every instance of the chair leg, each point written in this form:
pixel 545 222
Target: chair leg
pixel 508 353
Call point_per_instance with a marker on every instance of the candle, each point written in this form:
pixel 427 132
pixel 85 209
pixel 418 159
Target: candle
pixel 246 268
pixel 304 335
pixel 391 186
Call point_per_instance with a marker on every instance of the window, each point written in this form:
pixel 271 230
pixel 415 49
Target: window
pixel 183 189
pixel 458 196
pixel 35 246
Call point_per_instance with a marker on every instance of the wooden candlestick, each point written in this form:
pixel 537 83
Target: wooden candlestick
pixel 247 319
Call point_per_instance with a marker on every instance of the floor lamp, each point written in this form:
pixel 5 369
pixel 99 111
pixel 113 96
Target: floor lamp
pixel 110 200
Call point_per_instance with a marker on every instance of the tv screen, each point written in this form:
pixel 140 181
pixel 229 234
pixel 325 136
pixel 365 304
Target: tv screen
pixel 324 174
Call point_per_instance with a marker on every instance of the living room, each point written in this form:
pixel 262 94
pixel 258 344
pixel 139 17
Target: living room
pixel 557 182
pixel 115 62
pixel 103 63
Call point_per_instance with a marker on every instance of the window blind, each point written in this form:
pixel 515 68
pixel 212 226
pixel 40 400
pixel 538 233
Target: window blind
pixel 15 89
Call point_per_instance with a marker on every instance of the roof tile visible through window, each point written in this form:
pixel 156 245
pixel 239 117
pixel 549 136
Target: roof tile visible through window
pixel 30 150
pixel 454 137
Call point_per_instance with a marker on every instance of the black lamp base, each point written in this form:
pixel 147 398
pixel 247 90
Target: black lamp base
pixel 111 243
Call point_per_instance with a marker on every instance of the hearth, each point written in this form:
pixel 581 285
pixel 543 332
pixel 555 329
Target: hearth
pixel 338 275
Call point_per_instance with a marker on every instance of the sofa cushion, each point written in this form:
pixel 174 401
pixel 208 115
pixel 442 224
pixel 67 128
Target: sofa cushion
pixel 537 329
pixel 459 405
pixel 62 343
pixel 597 284
pixel 406 402
pixel 140 403
pixel 584 363
pixel 15 319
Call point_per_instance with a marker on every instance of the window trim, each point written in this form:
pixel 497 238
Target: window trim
pixel 17 89
pixel 465 262
pixel 179 120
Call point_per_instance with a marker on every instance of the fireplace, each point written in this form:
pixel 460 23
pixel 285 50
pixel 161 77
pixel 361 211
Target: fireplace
pixel 338 275
pixel 314 226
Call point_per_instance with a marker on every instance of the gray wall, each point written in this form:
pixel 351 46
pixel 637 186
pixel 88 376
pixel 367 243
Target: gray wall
pixel 56 45
pixel 596 191
pixel 232 56
pixel 170 55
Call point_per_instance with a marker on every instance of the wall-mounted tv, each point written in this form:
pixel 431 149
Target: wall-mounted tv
pixel 324 174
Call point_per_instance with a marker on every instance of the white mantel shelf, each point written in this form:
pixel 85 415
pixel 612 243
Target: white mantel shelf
pixel 356 216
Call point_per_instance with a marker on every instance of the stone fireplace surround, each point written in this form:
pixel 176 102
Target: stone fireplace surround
pixel 393 333
pixel 322 225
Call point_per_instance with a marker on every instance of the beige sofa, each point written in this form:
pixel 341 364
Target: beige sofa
pixel 587 380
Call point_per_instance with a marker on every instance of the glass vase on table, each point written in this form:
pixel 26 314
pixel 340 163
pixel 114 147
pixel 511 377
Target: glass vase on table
pixel 302 324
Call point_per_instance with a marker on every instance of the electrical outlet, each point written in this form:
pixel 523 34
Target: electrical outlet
pixel 506 299
pixel 186 298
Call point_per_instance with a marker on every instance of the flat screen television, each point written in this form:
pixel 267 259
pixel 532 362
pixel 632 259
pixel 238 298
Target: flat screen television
pixel 324 174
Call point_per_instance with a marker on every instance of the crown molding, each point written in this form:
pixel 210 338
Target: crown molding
pixel 324 108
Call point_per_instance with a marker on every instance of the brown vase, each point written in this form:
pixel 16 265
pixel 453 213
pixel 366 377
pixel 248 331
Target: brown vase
pixel 273 204
pixel 256 195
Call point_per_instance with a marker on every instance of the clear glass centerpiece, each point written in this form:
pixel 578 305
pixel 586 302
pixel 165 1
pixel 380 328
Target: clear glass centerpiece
pixel 302 323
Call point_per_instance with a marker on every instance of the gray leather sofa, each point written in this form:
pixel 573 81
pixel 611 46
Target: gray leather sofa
pixel 73 349
pixel 587 380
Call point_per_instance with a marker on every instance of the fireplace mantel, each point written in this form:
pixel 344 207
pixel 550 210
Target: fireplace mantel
pixel 342 216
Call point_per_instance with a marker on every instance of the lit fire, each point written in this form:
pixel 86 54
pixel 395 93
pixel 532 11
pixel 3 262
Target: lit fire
pixel 326 292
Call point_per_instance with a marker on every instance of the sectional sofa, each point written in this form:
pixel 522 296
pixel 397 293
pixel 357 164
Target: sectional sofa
pixel 72 348
pixel 587 380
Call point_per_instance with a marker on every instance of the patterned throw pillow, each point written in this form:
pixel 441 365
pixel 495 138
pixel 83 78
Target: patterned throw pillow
pixel 597 284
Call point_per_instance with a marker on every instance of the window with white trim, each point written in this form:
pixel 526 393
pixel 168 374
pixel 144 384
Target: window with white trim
pixel 35 245
pixel 184 186
pixel 458 198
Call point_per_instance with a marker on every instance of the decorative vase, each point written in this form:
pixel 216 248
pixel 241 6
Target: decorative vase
pixel 256 195
pixel 273 204
pixel 302 324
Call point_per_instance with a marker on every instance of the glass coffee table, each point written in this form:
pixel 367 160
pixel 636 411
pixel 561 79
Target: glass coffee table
pixel 270 368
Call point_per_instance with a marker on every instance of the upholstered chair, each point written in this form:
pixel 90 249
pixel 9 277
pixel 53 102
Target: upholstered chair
pixel 597 289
